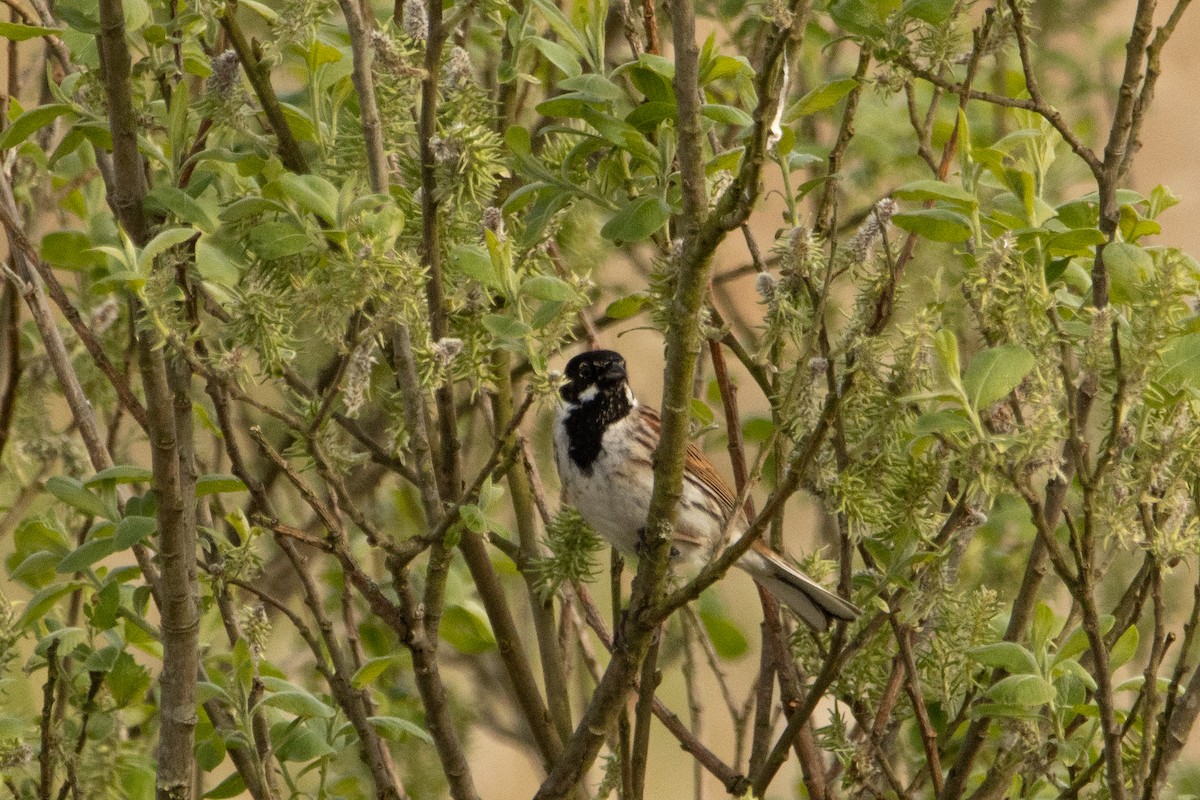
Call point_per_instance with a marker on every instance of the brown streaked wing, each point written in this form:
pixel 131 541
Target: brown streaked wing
pixel 694 463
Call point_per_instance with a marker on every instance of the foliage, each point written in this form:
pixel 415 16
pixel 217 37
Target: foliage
pixel 281 277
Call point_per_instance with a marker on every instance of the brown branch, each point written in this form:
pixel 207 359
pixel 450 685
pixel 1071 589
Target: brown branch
pixel 18 241
pixel 420 639
pixel 823 216
pixel 640 743
pixel 912 686
pixel 1180 710
pixel 10 356
pixel 29 283
pixel 364 85
pixel 48 732
pixel 258 73
pixel 353 701
pixel 1121 135
pixel 650 23
pixel 734 782
pixel 761 779
pixel 169 410
pixel 1050 114
pixel 447 463
pixel 1146 95
pixel 554 677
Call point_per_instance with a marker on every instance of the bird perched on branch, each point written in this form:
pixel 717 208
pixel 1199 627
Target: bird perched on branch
pixel 604 441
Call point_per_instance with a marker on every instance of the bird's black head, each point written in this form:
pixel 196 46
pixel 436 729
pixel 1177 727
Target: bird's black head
pixel 595 374
pixel 597 395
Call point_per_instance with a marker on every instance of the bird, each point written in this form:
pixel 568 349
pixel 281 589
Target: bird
pixel 604 442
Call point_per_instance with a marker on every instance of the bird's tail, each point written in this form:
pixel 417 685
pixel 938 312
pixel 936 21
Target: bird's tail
pixel 811 602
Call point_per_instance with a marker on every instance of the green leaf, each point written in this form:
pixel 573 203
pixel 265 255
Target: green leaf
pixel 310 192
pixel 995 372
pixel 299 703
pixel 246 207
pixel 370 671
pixel 935 190
pixel 1023 690
pixel 216 265
pixel 945 421
pixel 626 307
pixel 563 28
pixel 506 328
pixel 12 727
pixel 69 249
pixel 475 263
pixel 466 630
pixel 637 220
pixel 473 517
pixel 1075 242
pixel 185 207
pixel 1124 649
pixel 547 287
pixel 133 530
pixel 726 115
pixel 556 54
pixel 162 242
pixel 122 473
pixel 72 492
pixel 218 484
pixel 820 98
pixel 945 344
pixel 1075 669
pixel 102 660
pixel 729 642
pixel 120 279
pixel 301 741
pixel 1045 625
pixel 40 604
pixel 87 554
pixel 34 119
pixel 233 786
pixel 1129 268
pixel 397 729
pixel 210 750
pixel 66 638
pixel 593 87
pixel 1005 655
pixel 36 569
pixel 935 12
pixel 1181 362
pixel 935 224
pixel 17 32
pixel 274 240
pixel 857 17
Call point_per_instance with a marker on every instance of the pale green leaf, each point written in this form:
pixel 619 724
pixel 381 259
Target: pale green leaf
pixel 820 98
pixel 637 220
pixel 995 372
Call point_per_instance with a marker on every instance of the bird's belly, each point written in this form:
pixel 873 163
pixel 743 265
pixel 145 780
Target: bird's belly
pixel 613 501
pixel 613 495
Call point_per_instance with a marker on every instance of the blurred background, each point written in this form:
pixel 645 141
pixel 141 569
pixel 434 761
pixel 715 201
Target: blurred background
pixel 1093 33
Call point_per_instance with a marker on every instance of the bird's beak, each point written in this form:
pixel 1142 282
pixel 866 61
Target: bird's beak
pixel 615 373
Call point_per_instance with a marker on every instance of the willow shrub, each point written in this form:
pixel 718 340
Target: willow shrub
pixel 286 286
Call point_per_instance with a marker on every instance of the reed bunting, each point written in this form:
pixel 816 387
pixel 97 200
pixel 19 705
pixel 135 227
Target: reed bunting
pixel 603 444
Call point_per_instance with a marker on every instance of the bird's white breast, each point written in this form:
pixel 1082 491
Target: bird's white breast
pixel 614 494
